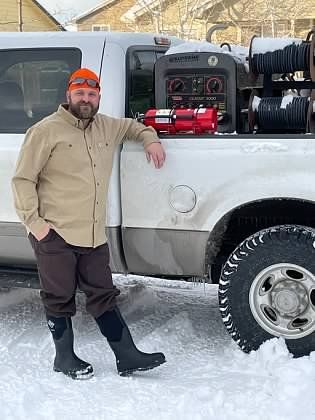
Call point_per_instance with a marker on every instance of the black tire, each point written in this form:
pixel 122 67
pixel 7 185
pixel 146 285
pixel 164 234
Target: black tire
pixel 270 247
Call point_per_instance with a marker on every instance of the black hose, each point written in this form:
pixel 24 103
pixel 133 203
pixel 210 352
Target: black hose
pixel 270 116
pixel 226 44
pixel 287 60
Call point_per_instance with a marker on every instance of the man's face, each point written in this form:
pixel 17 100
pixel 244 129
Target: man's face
pixel 83 102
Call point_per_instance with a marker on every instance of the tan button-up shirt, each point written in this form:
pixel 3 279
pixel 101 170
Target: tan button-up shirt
pixel 63 172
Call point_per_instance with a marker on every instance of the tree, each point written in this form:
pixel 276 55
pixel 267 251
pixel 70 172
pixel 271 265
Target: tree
pixel 268 18
pixel 179 17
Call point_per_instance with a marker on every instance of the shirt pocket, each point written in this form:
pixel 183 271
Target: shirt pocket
pixel 68 156
pixel 103 145
pixel 65 147
pixel 104 149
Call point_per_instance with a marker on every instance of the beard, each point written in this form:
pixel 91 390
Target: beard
pixel 83 110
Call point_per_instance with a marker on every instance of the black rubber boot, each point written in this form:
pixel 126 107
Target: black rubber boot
pixel 66 361
pixel 128 358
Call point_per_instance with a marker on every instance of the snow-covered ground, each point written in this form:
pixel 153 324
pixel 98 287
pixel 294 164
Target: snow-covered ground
pixel 206 376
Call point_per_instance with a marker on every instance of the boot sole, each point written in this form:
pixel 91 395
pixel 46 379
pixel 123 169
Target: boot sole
pixel 129 372
pixel 78 376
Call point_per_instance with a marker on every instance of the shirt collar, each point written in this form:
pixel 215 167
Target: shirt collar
pixel 65 114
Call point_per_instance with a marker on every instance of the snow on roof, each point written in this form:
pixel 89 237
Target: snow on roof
pixel 143 6
pixel 43 9
pixel 92 10
pixel 140 7
pixel 201 6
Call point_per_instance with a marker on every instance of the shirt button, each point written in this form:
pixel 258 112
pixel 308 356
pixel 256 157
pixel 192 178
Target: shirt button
pixel 97 183
pixel 90 147
pixel 94 165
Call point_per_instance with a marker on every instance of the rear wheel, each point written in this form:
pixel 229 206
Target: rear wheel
pixel 267 289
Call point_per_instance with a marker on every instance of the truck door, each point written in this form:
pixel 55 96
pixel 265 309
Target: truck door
pixel 139 233
pixel 32 85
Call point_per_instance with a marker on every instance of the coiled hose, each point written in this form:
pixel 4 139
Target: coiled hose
pixel 282 113
pixel 291 58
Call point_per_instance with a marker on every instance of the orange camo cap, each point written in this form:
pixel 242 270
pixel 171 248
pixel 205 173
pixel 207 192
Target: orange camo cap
pixel 83 73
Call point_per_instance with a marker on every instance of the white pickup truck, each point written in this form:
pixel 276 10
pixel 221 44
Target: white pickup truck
pixel 241 202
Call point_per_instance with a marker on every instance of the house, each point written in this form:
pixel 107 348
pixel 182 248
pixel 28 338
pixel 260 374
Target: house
pixel 123 15
pixel 191 19
pixel 26 15
pixel 243 18
pixel 266 18
pixel 139 16
pixel 106 16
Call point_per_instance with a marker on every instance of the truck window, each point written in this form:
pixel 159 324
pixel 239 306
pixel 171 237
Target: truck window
pixel 33 84
pixel 140 81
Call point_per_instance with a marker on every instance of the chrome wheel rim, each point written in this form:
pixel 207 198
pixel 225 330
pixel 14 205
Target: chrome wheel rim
pixel 282 298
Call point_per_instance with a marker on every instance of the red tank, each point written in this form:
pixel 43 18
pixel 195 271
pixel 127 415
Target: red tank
pixel 183 120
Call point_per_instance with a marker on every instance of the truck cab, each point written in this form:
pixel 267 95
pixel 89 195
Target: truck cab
pixel 34 71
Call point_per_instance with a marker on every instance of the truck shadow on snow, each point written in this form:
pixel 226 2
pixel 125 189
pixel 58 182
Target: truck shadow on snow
pixel 181 314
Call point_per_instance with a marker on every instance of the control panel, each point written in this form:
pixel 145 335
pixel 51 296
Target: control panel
pixel 191 91
pixel 193 80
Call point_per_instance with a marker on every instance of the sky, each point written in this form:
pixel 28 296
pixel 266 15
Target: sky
pixel 63 10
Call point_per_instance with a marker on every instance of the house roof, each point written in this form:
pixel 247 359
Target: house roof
pixel 91 11
pixel 203 5
pixel 144 6
pixel 62 28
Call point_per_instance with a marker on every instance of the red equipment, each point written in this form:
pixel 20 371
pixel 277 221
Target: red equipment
pixel 172 121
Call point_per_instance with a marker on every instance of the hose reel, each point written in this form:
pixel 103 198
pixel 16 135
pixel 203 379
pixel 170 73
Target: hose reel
pixel 286 103
pixel 280 114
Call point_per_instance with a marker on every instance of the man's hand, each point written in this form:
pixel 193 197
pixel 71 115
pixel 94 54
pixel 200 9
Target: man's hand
pixel 41 235
pixel 157 153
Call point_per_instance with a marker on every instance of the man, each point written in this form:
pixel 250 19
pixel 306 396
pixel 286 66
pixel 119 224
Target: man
pixel 60 191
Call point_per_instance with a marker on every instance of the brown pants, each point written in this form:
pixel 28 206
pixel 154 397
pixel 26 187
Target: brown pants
pixel 63 267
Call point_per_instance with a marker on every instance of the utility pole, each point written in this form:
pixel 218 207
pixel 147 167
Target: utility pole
pixel 20 14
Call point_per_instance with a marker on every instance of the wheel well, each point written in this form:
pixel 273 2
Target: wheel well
pixel 243 221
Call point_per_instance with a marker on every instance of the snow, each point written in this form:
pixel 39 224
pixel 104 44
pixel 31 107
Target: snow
pixel 206 375
pixel 255 103
pixel 263 45
pixel 286 100
pixel 239 52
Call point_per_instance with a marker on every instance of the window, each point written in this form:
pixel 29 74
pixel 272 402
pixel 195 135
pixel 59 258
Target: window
pixel 268 30
pixel 140 78
pixel 33 84
pixel 101 28
pixel 281 29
